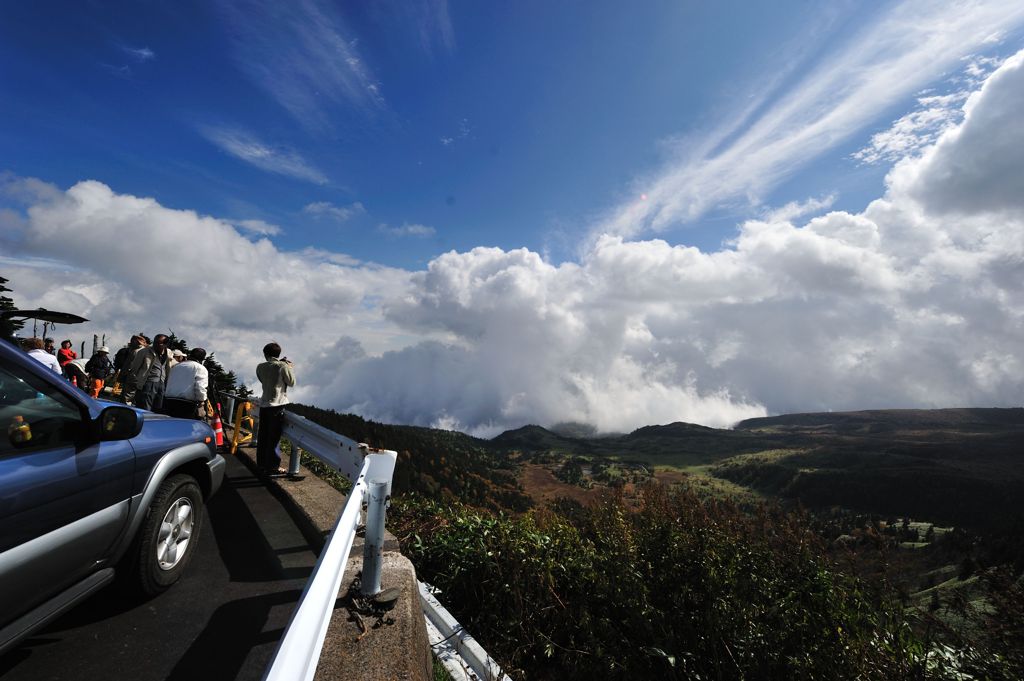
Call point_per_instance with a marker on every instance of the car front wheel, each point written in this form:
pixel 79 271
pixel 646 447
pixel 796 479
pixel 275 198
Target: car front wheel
pixel 168 535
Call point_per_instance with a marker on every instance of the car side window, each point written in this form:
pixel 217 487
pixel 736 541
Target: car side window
pixel 33 414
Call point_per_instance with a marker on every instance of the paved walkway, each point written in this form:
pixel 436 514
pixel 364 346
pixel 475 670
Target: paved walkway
pixel 221 621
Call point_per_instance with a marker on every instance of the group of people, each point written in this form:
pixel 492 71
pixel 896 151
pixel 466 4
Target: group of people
pixel 154 377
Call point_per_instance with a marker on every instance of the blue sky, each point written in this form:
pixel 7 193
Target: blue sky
pixel 509 126
pixel 478 216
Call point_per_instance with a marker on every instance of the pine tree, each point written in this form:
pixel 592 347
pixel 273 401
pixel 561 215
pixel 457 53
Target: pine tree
pixel 8 327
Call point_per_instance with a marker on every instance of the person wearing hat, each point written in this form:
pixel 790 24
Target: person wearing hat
pixel 66 353
pixel 99 368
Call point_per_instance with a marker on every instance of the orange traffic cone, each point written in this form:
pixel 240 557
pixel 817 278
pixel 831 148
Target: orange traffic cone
pixel 218 427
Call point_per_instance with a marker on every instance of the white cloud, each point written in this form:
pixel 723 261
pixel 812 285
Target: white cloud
pixel 919 129
pixel 406 229
pixel 910 45
pixel 302 55
pixel 976 167
pixel 139 265
pixel 247 147
pixel 325 209
pixel 918 301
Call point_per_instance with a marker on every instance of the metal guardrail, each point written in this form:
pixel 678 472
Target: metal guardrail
pixel 370 472
pixel 463 658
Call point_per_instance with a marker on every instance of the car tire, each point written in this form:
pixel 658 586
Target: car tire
pixel 168 536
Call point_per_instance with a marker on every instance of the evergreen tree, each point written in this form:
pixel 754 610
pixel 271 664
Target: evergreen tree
pixel 220 381
pixel 175 343
pixel 8 327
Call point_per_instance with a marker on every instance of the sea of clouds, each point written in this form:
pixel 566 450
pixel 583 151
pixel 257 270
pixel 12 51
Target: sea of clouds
pixel 918 301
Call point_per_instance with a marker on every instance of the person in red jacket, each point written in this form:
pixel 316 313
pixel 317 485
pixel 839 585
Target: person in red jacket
pixel 65 354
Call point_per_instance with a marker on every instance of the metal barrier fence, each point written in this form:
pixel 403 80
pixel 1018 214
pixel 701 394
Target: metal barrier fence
pixel 370 472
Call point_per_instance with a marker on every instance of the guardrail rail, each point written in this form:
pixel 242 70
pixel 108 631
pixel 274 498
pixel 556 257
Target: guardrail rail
pixel 370 471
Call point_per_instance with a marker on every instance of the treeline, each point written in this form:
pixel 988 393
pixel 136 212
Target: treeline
pixel 433 462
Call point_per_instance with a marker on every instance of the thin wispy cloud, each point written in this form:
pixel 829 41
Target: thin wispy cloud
pixel 903 50
pixel 798 209
pixel 327 210
pixel 435 25
pixel 427 20
pixel 304 56
pixel 935 113
pixel 274 159
pixel 139 54
pixel 464 132
pixel 410 230
pixel 120 71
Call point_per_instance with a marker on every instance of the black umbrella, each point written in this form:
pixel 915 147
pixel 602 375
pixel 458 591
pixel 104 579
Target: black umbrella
pixel 43 314
pixel 48 317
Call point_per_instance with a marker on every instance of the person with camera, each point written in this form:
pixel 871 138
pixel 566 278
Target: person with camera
pixel 276 375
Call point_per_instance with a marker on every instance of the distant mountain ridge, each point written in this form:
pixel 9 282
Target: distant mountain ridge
pixel 963 466
pixel 929 418
pixel 954 465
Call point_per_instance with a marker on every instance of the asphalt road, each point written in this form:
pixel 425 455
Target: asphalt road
pixel 223 620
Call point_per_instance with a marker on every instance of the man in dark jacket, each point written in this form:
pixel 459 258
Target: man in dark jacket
pixel 149 372
pixel 123 364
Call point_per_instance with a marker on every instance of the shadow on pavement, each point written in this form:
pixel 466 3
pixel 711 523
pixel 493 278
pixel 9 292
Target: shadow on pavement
pixel 229 640
pixel 241 543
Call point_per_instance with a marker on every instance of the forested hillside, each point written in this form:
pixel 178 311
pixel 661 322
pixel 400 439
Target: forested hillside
pixel 432 461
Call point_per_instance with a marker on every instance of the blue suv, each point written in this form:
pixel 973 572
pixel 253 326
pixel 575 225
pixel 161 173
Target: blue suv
pixel 88 487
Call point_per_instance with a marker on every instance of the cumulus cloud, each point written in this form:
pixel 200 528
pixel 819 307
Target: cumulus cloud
pixel 917 301
pixel 976 167
pixel 140 265
pixel 275 159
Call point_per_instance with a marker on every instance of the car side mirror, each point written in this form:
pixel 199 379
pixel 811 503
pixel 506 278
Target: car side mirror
pixel 119 423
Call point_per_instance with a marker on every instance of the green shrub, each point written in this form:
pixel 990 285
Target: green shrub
pixel 679 588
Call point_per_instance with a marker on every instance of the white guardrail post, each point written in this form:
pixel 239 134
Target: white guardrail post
pixel 299 651
pixel 373 543
pixel 370 472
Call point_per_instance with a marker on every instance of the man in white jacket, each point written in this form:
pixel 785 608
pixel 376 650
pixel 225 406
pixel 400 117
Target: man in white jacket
pixel 185 394
pixel 276 375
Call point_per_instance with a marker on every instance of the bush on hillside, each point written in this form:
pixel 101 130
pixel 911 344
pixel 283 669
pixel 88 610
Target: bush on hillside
pixel 680 588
